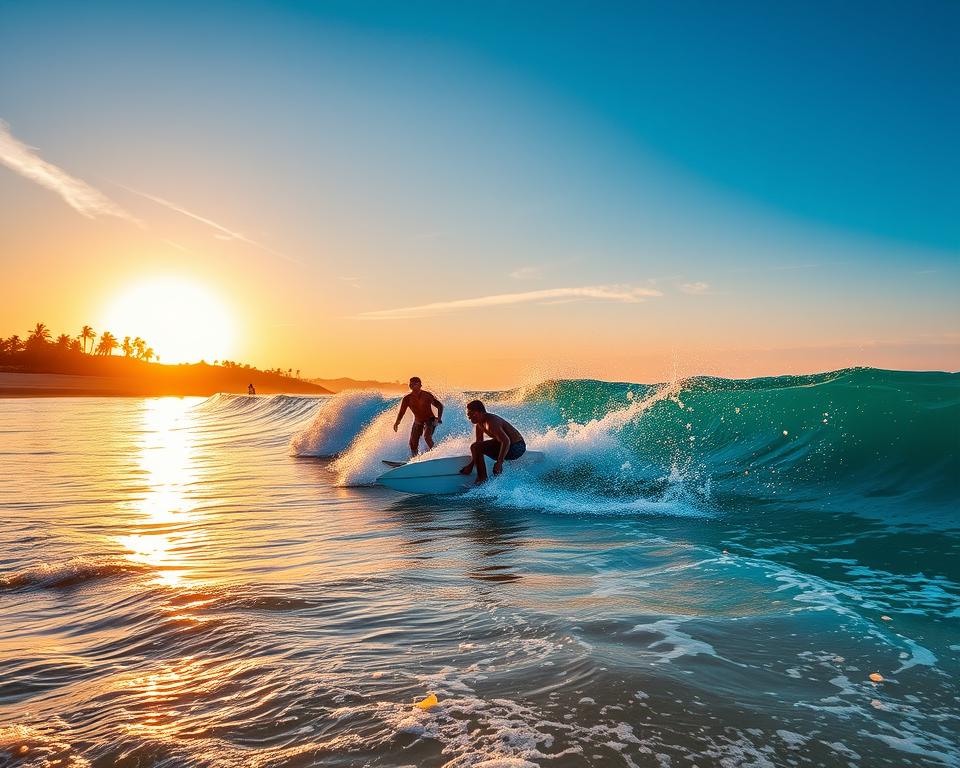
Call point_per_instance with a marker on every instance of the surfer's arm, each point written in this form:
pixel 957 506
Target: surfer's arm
pixel 439 406
pixel 403 410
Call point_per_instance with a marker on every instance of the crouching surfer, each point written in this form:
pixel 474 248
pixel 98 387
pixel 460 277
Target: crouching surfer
pixel 506 444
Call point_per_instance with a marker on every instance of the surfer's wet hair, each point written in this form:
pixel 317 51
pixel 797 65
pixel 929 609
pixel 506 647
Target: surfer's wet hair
pixel 415 380
pixel 476 405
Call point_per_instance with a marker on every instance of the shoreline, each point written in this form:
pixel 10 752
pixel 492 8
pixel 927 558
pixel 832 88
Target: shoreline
pixel 36 385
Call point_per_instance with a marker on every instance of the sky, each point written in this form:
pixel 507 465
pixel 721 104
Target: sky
pixel 487 194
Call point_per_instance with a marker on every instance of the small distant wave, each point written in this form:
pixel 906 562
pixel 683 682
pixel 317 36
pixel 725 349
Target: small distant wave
pixel 70 573
pixel 263 407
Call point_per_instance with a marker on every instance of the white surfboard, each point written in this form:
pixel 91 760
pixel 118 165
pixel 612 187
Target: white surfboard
pixel 442 476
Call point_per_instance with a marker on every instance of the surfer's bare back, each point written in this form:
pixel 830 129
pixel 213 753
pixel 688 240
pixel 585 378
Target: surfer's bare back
pixel 421 403
pixel 507 443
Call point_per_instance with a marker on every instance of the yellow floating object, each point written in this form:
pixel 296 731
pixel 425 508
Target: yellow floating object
pixel 428 703
pixel 876 677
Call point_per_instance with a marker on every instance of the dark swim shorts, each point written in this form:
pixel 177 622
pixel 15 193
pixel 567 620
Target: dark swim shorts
pixel 419 427
pixel 491 448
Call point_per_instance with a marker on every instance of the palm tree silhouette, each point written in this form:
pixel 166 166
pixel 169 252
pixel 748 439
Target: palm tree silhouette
pixel 108 343
pixel 126 347
pixel 63 341
pixel 87 333
pixel 148 354
pixel 139 345
pixel 40 334
pixel 14 344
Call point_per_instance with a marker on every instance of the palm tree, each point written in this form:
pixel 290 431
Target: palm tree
pixel 75 345
pixel 139 345
pixel 63 342
pixel 39 338
pixel 126 347
pixel 108 343
pixel 39 335
pixel 14 344
pixel 87 333
pixel 148 354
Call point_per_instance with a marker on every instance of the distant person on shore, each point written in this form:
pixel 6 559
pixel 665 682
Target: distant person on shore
pixel 250 389
pixel 421 403
pixel 507 443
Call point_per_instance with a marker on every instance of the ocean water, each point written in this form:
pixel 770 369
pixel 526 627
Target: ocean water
pixel 702 573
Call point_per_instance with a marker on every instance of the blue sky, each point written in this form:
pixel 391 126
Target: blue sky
pixel 726 156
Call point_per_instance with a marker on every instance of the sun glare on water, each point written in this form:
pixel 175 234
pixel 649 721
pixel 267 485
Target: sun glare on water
pixel 181 320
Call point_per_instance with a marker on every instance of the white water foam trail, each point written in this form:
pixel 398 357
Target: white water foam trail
pixel 340 419
pixel 362 462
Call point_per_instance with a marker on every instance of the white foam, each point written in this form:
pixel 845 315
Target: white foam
pixel 338 423
pixel 679 643
pixel 361 463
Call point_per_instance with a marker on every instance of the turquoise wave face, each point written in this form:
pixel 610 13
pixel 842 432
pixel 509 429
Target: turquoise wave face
pixel 827 438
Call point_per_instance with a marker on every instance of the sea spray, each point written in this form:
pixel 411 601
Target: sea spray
pixel 362 462
pixel 341 418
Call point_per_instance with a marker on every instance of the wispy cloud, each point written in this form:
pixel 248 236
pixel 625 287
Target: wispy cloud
pixel 623 294
pixel 526 273
pixel 176 245
pixel 221 232
pixel 84 199
pixel 695 289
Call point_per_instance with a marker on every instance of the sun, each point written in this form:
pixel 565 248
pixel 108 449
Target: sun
pixel 182 320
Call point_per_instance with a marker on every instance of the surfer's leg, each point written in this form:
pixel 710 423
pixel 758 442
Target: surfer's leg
pixel 491 448
pixel 415 431
pixel 477 451
pixel 428 432
pixel 483 448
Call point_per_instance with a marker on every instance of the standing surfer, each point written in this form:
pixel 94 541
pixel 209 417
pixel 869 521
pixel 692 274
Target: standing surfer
pixel 421 403
pixel 507 443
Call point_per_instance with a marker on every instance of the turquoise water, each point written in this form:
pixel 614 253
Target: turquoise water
pixel 702 573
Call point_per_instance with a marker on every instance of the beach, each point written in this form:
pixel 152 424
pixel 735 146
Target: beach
pixel 711 573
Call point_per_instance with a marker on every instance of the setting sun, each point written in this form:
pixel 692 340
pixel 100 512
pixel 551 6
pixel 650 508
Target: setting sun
pixel 182 320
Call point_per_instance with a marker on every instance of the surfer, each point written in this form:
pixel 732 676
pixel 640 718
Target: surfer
pixel 250 389
pixel 507 443
pixel 421 403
